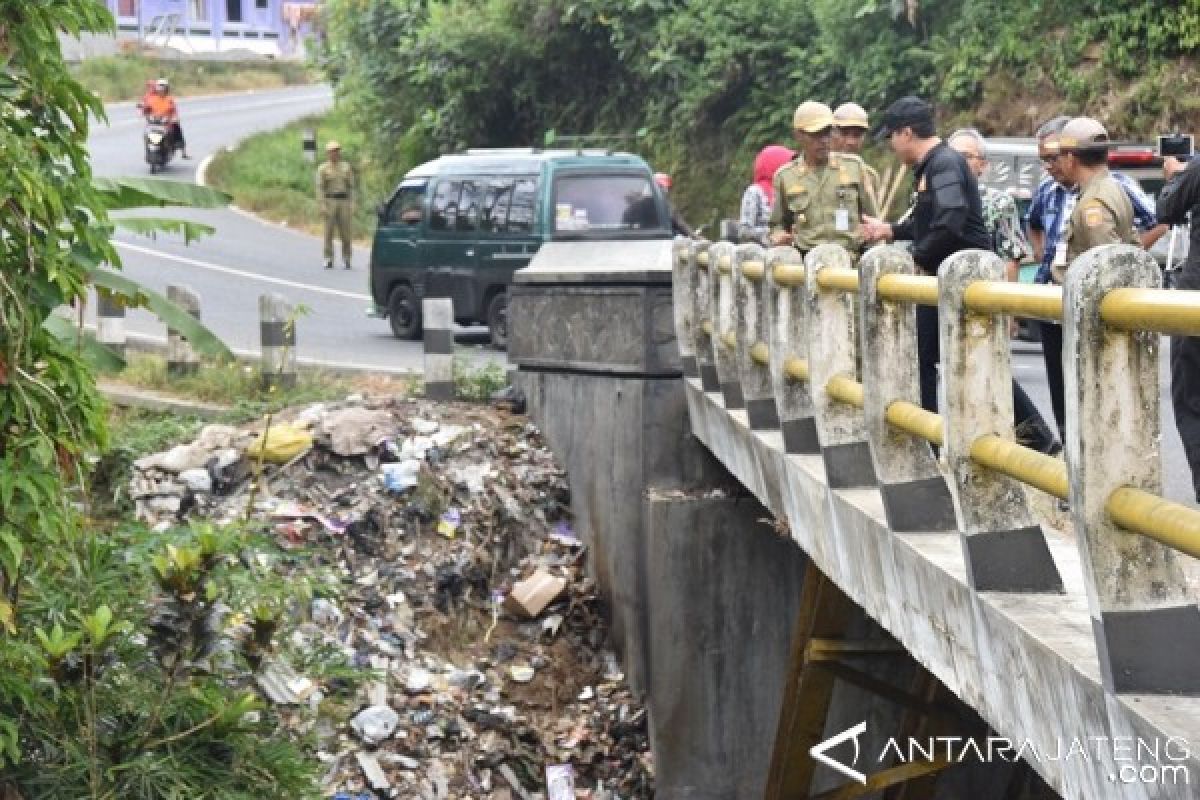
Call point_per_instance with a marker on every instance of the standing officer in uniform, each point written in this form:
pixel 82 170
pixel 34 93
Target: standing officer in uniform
pixel 820 197
pixel 947 218
pixel 1178 198
pixel 1102 213
pixel 335 198
pixel 850 126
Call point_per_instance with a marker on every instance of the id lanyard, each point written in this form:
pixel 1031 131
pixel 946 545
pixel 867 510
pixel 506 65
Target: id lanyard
pixel 1064 223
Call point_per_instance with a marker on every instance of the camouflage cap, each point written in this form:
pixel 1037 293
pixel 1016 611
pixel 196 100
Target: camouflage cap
pixel 850 115
pixel 1083 133
pixel 812 116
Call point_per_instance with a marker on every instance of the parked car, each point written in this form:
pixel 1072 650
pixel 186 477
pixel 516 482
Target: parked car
pixel 461 225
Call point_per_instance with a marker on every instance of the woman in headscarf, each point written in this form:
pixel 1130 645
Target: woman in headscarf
pixel 759 195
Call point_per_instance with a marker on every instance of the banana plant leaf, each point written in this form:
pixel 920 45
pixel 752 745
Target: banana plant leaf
pixel 126 193
pixel 204 341
pixel 152 226
pixel 101 358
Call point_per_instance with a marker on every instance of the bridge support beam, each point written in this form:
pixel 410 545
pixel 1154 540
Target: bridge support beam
pixel 915 494
pixel 700 291
pixel 753 337
pixel 1147 626
pixel 724 317
pixel 1004 546
pixel 684 281
pixel 788 320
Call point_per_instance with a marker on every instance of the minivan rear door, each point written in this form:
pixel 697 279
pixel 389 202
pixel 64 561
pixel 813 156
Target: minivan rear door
pixel 507 238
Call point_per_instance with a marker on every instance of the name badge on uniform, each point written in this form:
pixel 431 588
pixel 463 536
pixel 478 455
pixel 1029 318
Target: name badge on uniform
pixel 841 220
pixel 1060 254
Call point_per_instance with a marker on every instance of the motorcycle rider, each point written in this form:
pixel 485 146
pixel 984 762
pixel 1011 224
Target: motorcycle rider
pixel 162 105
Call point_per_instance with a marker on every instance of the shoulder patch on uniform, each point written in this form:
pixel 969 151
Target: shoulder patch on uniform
pixel 1093 214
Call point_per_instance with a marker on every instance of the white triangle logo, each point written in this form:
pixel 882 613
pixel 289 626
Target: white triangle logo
pixel 818 751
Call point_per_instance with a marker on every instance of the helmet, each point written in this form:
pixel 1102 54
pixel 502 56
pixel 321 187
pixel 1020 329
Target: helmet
pixel 850 115
pixel 663 180
pixel 162 83
pixel 1083 133
pixel 812 116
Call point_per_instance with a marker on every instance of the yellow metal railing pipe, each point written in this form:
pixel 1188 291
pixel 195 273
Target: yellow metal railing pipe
pixel 842 279
pixel 919 289
pixel 796 369
pixel 846 390
pixel 760 354
pixel 706 328
pixel 1169 311
pixel 724 265
pixel 702 258
pixel 1165 522
pixel 1021 300
pixel 729 338
pixel 913 419
pixel 789 275
pixel 754 270
pixel 1021 463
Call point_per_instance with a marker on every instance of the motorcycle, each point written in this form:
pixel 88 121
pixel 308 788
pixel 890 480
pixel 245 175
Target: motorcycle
pixel 157 140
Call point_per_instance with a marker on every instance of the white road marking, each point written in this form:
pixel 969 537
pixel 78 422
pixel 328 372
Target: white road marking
pixel 137 120
pixel 308 287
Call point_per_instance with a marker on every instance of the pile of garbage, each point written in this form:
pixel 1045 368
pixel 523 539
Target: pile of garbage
pixel 462 593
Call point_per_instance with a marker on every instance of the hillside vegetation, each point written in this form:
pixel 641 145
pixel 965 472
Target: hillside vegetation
pixel 699 86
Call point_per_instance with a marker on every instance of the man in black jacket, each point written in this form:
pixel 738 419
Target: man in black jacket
pixel 947 218
pixel 1179 198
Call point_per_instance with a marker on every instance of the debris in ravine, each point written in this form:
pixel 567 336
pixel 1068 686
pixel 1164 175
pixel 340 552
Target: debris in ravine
pixel 458 590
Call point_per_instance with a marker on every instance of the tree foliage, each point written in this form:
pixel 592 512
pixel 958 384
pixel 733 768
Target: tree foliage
pixel 710 82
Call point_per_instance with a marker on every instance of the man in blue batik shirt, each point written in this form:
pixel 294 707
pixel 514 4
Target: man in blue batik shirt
pixel 1052 203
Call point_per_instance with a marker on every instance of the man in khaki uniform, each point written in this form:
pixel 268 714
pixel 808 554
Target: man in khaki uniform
pixel 1102 213
pixel 820 197
pixel 850 126
pixel 335 197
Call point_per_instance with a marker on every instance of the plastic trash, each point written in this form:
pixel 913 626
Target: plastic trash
pixel 375 724
pixel 281 445
pixel 401 475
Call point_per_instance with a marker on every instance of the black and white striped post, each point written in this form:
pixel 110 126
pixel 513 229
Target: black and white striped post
pixel 309 145
pixel 437 315
pixel 110 321
pixel 182 359
pixel 277 339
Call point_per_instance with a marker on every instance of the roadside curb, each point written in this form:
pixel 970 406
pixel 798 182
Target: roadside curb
pixel 131 397
pixel 217 95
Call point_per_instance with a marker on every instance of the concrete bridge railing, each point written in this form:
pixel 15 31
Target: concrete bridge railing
pixel 828 353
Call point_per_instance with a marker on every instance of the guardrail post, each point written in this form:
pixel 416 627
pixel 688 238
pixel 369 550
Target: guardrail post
pixel 702 314
pixel 915 494
pixel 1004 546
pixel 182 359
pixel 683 291
pixel 437 320
pixel 832 346
pixel 724 338
pixel 110 321
pixel 277 339
pixel 753 337
pixel 788 319
pixel 1147 627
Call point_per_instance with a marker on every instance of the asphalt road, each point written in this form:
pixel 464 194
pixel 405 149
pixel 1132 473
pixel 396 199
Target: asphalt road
pixel 247 257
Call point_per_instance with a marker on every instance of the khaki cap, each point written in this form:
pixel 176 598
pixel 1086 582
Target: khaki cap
pixel 850 115
pixel 1083 133
pixel 332 145
pixel 812 116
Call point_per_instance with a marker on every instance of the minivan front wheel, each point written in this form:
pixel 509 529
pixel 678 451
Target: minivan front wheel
pixel 404 313
pixel 497 320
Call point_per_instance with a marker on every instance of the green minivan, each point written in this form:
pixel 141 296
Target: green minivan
pixel 461 225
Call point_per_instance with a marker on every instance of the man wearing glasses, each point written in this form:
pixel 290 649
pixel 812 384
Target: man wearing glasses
pixel 1053 202
pixel 820 197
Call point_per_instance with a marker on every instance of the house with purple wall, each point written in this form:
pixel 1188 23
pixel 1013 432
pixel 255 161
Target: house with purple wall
pixel 198 27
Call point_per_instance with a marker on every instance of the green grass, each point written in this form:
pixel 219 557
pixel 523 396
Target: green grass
pixel 269 175
pixel 124 77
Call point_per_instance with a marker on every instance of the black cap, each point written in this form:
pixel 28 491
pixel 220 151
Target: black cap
pixel 905 112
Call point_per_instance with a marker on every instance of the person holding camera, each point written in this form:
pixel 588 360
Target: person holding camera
pixel 1179 200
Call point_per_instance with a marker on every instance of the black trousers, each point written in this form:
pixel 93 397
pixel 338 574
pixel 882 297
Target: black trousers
pixel 1031 429
pixel 1052 344
pixel 1185 384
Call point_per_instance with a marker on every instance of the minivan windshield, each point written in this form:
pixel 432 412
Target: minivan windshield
pixel 586 204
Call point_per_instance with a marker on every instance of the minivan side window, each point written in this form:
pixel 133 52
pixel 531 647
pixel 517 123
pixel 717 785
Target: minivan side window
pixel 521 210
pixel 496 200
pixel 408 206
pixel 470 199
pixel 443 208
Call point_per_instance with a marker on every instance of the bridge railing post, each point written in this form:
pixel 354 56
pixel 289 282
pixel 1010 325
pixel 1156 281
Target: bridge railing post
pixel 1147 626
pixel 702 314
pixel 914 491
pixel 683 290
pixel 724 338
pixel 1003 545
pixel 788 343
pixel 832 353
pixel 753 337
